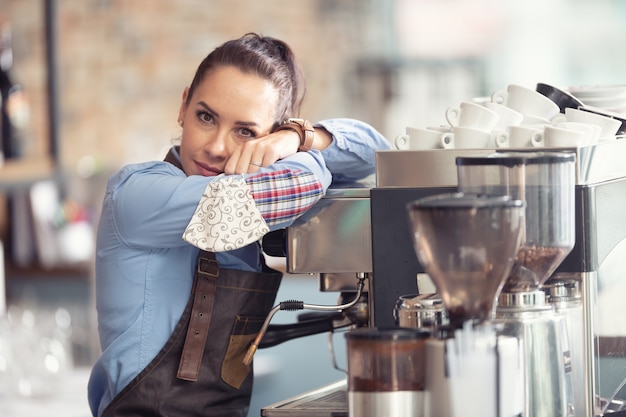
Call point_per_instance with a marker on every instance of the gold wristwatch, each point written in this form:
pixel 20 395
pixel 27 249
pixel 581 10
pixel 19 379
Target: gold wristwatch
pixel 303 128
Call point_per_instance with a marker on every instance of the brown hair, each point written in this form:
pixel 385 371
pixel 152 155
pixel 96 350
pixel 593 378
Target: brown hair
pixel 269 58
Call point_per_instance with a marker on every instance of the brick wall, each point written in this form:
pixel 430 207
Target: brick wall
pixel 122 65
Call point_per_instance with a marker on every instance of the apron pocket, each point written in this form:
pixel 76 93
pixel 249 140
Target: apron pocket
pixel 245 329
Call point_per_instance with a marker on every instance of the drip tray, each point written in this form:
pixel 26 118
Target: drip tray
pixel 328 401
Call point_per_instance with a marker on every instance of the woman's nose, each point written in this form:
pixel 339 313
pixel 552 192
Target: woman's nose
pixel 217 144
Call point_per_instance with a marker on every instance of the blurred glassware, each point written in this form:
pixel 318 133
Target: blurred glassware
pixel 34 350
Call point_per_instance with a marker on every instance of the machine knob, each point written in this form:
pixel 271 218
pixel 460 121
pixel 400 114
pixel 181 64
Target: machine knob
pixel 275 243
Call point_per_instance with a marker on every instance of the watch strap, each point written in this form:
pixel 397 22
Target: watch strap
pixel 303 128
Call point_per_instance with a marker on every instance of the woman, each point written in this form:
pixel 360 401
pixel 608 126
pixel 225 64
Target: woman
pixel 182 287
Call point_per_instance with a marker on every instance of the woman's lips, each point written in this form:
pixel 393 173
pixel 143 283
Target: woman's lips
pixel 207 171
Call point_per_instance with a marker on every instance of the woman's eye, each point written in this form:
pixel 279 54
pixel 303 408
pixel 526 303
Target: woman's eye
pixel 204 116
pixel 247 133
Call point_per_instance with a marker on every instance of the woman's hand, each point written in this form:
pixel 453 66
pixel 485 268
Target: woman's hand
pixel 266 150
pixel 261 152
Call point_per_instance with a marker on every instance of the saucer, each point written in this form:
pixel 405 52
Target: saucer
pixel 598 91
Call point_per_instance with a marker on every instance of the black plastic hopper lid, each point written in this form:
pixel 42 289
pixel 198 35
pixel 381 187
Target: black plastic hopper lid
pixel 465 201
pixel 510 159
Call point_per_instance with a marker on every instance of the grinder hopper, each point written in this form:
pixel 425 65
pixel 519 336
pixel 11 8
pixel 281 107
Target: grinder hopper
pixel 545 181
pixel 467 244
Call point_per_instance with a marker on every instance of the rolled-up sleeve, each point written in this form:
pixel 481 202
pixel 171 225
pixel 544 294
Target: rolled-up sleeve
pixel 351 156
pixel 153 204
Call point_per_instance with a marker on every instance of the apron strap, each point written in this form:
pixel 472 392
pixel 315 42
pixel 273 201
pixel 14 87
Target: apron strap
pixel 205 282
pixel 172 159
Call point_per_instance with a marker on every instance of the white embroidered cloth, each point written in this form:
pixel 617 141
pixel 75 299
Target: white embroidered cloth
pixel 226 217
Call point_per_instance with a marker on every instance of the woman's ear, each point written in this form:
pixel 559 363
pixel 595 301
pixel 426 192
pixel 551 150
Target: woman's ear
pixel 183 106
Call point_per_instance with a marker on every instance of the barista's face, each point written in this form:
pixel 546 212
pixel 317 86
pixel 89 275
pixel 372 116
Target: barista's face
pixel 228 109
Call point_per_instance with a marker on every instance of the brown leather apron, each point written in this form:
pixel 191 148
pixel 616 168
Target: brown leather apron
pixel 200 371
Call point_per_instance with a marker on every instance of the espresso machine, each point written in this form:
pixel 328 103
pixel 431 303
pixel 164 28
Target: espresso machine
pixel 583 288
pixel 364 231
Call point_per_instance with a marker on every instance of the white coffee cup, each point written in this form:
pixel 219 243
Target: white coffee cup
pixel 559 137
pixel 418 138
pixel 526 101
pixel 507 116
pixel 609 125
pixel 472 115
pixel 530 119
pixel 591 131
pixel 499 139
pixel 465 138
pixel 440 128
pixel 521 137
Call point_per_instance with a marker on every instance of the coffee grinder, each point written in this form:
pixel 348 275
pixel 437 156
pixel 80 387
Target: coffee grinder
pixel 467 243
pixel 545 181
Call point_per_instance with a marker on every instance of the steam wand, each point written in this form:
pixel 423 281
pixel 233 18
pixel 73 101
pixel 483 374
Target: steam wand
pixel 293 305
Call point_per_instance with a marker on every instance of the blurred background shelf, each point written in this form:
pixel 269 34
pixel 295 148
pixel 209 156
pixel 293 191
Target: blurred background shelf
pixel 22 173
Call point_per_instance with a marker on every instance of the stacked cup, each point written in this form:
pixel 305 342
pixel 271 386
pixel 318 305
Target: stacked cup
pixel 534 106
pixel 608 125
pixel 543 124
pixel 420 138
pixel 517 117
pixel 471 126
pixel 536 111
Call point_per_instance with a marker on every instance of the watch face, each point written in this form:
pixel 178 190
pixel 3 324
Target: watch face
pixel 304 124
